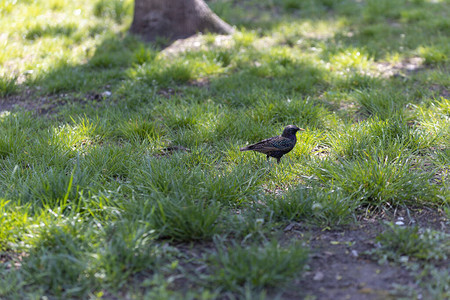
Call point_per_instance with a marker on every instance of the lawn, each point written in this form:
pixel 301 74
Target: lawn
pixel 121 175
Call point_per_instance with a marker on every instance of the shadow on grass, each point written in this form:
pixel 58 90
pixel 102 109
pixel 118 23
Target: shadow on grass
pixel 106 66
pixel 379 29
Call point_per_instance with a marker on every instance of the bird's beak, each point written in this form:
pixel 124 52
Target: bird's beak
pixel 301 129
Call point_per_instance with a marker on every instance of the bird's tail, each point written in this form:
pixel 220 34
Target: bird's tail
pixel 245 149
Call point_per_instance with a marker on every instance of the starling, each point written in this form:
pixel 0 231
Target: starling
pixel 277 146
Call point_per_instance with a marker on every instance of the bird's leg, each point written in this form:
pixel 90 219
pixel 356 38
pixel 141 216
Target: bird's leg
pixel 278 160
pixel 268 157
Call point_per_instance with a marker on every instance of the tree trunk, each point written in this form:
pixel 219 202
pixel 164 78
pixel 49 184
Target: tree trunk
pixel 175 19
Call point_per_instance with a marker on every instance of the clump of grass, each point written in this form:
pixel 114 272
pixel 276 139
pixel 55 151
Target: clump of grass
pixel 185 219
pixel 144 55
pixel 113 52
pixel 383 104
pixel 301 112
pixel 164 75
pixel 127 249
pixel 231 187
pixel 16 128
pixel 12 224
pixel 57 186
pixel 377 180
pixel 238 268
pixel 357 81
pixel 57 262
pixel 199 181
pixel 110 163
pixel 224 58
pixel 351 59
pixel 412 243
pixel 11 143
pixel 386 138
pixel 375 9
pixel 315 205
pixel 432 55
pixel 139 128
pixel 434 119
pixel 115 9
pixel 244 38
pixel 39 31
pixel 8 86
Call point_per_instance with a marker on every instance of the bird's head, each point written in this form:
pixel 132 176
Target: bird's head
pixel 291 130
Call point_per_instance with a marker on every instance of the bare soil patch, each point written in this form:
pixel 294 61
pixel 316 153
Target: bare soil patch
pixel 28 100
pixel 340 267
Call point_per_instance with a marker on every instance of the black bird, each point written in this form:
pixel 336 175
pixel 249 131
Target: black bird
pixel 277 146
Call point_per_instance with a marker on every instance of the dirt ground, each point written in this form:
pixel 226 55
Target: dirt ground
pixel 340 267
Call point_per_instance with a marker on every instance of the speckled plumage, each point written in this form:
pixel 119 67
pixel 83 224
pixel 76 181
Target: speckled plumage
pixel 276 146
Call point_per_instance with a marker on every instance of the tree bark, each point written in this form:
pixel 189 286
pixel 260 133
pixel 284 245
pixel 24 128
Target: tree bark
pixel 175 19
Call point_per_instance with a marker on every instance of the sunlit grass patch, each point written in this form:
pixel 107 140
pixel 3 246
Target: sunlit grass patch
pixel 299 112
pixel 6 7
pixel 244 38
pixel 388 138
pixel 160 74
pixel 435 118
pixel 31 39
pixel 306 142
pixel 39 31
pixel 77 137
pixel 306 33
pixel 351 60
pixel 356 81
pixel 433 55
pixel 379 180
pixel 13 224
pixel 139 128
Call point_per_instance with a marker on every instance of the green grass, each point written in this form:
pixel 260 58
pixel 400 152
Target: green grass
pixel 8 86
pixel 91 205
pixel 240 268
pixel 411 242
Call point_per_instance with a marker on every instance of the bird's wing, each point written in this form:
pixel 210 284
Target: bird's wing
pixel 276 143
pixel 283 144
